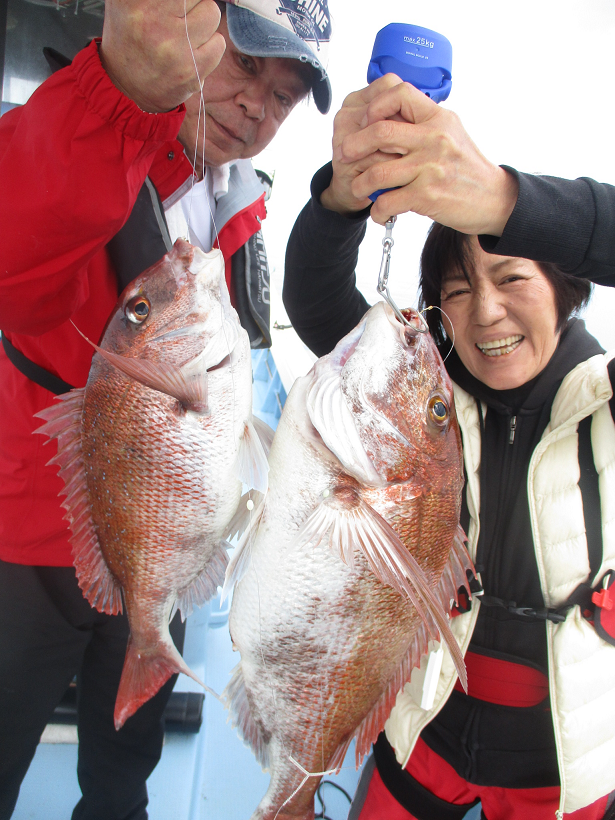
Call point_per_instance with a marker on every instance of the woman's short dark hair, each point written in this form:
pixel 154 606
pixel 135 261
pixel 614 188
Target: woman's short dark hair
pixel 447 250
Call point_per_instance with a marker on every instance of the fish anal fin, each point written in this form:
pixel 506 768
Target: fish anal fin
pixel 63 423
pixel 205 585
pixel 252 464
pixel 236 699
pixel 144 673
pixel 348 524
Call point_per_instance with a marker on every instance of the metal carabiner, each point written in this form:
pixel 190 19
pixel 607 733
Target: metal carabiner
pixel 383 278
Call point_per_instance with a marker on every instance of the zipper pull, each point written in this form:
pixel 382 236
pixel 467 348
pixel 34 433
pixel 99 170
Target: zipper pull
pixel 513 428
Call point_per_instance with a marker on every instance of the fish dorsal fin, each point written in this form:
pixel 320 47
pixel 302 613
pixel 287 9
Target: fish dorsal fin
pixel 236 699
pixel 335 423
pixel 348 523
pixel 240 561
pixel 204 585
pixel 63 423
pixel 455 574
pixel 252 465
pixel 187 384
pixel 453 577
pixel 373 723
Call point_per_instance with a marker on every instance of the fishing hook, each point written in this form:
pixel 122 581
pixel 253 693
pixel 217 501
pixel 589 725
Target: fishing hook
pixel 383 278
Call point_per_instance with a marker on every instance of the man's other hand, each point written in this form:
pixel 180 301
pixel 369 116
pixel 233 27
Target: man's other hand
pixel 146 52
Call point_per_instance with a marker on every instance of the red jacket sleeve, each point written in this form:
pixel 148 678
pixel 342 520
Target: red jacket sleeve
pixel 72 161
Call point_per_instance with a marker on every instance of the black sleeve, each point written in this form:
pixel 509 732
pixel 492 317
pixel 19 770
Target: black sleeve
pixel 568 222
pixel 320 293
pixel 611 371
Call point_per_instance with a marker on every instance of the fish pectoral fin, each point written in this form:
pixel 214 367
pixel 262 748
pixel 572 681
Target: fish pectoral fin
pixel 244 514
pixel 188 386
pixel 63 422
pixel 242 556
pixel 204 585
pixel 252 466
pixel 348 523
pixel 264 433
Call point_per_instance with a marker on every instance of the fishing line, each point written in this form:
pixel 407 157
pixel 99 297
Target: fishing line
pixel 209 204
pixel 198 128
pixel 435 307
pixel 307 776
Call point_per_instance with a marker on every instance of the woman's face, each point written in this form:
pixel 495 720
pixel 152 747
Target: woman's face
pixel 504 319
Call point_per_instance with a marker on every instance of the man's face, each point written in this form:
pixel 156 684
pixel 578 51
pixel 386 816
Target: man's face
pixel 246 100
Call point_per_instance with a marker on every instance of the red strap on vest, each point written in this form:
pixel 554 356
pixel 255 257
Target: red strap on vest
pixel 504 682
pixel 604 613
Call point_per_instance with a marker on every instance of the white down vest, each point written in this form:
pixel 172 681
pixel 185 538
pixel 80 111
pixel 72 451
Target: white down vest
pixel 581 664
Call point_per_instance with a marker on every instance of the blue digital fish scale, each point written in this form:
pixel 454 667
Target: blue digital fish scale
pixel 417 55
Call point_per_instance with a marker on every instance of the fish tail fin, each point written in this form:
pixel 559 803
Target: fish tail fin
pixel 143 675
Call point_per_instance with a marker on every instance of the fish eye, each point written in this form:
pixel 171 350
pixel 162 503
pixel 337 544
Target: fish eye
pixel 438 411
pixel 137 310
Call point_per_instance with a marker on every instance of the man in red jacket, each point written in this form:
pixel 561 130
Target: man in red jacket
pixel 95 137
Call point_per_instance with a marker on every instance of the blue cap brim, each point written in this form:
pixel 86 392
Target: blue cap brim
pixel 259 37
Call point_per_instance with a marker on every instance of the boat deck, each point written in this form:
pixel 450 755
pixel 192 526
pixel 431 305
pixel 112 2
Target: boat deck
pixel 210 775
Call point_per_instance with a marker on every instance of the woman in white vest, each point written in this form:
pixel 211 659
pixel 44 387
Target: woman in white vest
pixel 535 735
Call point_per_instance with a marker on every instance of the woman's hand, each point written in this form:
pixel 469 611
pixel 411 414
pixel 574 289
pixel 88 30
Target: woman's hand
pixel 351 120
pixel 408 142
pixel 146 53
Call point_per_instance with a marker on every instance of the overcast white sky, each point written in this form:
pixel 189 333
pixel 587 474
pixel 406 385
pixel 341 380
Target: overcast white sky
pixel 532 83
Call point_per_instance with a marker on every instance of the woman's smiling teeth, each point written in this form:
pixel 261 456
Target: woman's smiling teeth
pixel 499 347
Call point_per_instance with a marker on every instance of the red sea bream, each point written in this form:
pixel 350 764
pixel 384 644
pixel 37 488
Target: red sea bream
pixel 353 559
pixel 152 453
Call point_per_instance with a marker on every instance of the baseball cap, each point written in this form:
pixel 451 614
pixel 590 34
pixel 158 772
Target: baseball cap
pixel 300 29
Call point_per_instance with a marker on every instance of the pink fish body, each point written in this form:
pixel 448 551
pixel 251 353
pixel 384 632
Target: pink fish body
pixel 354 560
pixel 151 452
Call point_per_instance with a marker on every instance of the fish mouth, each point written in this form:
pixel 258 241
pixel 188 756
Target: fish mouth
pixel 409 338
pixel 225 362
pixel 500 347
